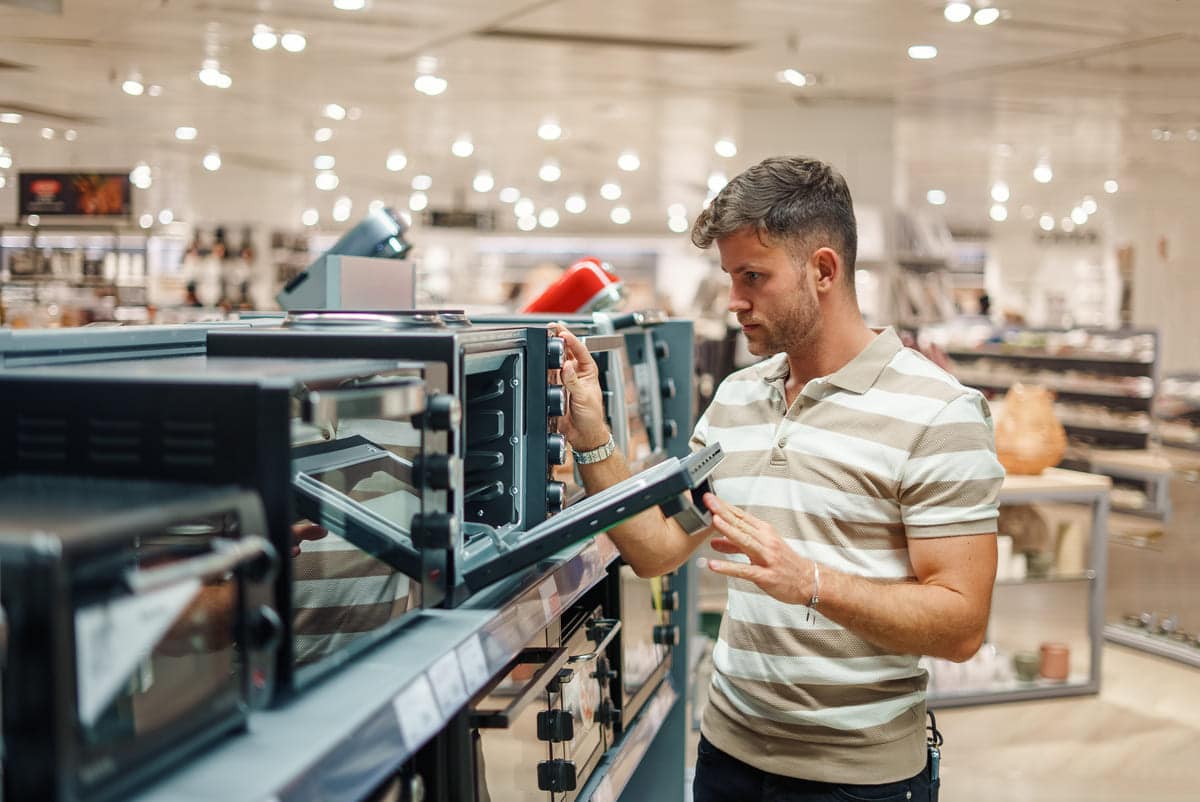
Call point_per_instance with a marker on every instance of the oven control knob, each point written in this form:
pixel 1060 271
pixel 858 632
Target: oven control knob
pixel 556 775
pixel 555 726
pixel 443 413
pixel 666 635
pixel 668 388
pixel 262 567
pixel 436 470
pixel 556 401
pixel 556 449
pixel 608 714
pixel 662 350
pixel 436 530
pixel 264 628
pixel 603 672
pixel 670 601
pixel 556 496
pixel 556 348
pixel 670 429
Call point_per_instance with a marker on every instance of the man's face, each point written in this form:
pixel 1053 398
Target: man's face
pixel 774 298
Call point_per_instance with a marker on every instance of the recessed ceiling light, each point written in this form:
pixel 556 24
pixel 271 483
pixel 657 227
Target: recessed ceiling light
pixel 322 135
pixel 264 37
pixel 1111 186
pixel 483 182
pixel 986 16
pixel 324 162
pixel 5 161
pixel 548 218
pixel 620 215
pixel 212 161
pixel 717 181
pixel 462 147
pixel 523 207
pixel 1089 205
pixel 430 85
pixel 550 171
pixel 1043 173
pixel 677 224
pixel 793 77
pixel 922 52
pixel 1193 135
pixel 418 201
pixel 575 204
pixel 726 148
pixel 140 176
pixel 34 219
pixel 998 212
pixel 527 223
pixel 185 133
pixel 1079 216
pixel 676 210
pixel 1046 222
pixel 146 220
pixel 629 161
pixel 166 217
pixel 342 209
pixel 510 195
pixel 310 217
pixel 326 181
pixel 133 86
pixel 11 118
pixel 70 135
pixel 1000 192
pixel 422 182
pixel 957 12
pixel 396 161
pixel 936 197
pixel 349 5
pixel 549 130
pixel 334 111
pixel 211 75
pixel 610 191
pixel 47 133
pixel 293 42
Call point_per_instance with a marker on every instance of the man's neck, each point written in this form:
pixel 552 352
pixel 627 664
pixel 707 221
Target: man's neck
pixel 835 346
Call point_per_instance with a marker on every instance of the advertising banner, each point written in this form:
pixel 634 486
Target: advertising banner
pixel 74 194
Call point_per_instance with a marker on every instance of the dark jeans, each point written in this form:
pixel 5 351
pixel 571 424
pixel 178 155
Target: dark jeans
pixel 722 778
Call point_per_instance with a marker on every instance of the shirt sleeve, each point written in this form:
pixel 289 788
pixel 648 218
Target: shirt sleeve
pixel 700 434
pixel 952 478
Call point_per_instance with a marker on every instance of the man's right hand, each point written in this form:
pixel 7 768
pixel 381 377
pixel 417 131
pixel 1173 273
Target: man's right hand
pixel 305 530
pixel 583 425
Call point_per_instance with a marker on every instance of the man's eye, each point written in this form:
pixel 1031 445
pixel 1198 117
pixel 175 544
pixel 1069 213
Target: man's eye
pixel 752 276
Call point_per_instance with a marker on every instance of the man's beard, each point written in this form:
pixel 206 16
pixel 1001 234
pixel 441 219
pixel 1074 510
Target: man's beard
pixel 789 334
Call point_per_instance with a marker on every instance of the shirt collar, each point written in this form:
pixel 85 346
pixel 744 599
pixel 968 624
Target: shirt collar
pixel 857 375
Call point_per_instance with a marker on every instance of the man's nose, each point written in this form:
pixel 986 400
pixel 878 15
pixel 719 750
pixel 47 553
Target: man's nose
pixel 737 303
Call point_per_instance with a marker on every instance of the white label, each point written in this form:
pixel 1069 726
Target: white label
pixel 548 590
pixel 112 639
pixel 417 712
pixel 448 683
pixel 473 663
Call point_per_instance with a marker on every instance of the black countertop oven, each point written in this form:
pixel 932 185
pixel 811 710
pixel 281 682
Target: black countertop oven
pixel 140 626
pixel 352 445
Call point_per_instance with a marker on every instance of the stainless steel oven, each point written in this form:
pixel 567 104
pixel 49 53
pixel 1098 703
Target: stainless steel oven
pixel 140 625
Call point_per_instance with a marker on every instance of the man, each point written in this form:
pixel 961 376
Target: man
pixel 856 504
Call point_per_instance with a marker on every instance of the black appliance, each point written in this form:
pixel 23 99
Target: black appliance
pixel 139 626
pixel 351 444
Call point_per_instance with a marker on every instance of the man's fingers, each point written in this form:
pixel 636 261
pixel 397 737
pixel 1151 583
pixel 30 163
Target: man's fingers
pixel 740 535
pixel 575 348
pixel 751 573
pixel 725 546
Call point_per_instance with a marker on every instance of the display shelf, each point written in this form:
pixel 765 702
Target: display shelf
pixel 1155 644
pixel 1015 691
pixel 1119 400
pixel 1086 576
pixel 1088 361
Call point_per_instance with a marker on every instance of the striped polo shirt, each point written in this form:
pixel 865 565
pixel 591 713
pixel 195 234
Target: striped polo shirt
pixel 890 447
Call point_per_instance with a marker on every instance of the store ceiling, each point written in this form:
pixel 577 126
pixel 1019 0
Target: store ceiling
pixel 1081 82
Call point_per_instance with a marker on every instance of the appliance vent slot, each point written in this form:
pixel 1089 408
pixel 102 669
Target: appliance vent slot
pixel 41 441
pixel 189 444
pixel 114 441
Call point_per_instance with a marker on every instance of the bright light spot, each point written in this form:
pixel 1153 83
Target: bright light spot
pixel 166 217
pixel 1000 193
pixel 1079 216
pixel 418 201
pixel 293 42
pixel 620 215
pixel 726 148
pixel 676 210
pixel 210 75
pixel 677 224
pixel 510 195
pixel 34 219
pixel 549 130
pixel 1043 174
pixel 224 81
pixel 523 208
pixel 1068 225
pixel 212 161
pixel 1089 205
pixel 986 16
pixel 324 162
pixel 430 85
pixel 133 87
pixel 349 5
pixel 322 135
pixel 326 181
pixel 483 182
pixel 957 12
pixel 1046 222
pixel 185 133
pixel 575 204
pixel 11 118
pixel 310 217
pixel 717 182
pixel 422 182
pixel 936 197
pixel 375 206
pixel 629 161
pixel 5 161
pixel 462 147
pixel 47 133
pixel 146 220
pixel 153 90
pixel 922 52
pixel 342 209
pixel 998 212
pixel 3 182
pixel 610 191
pixel 263 37
pixel 793 77
pixel 548 218
pixel 334 111
pixel 550 171
pixel 1111 186
pixel 527 223
pixel 140 176
pixel 396 161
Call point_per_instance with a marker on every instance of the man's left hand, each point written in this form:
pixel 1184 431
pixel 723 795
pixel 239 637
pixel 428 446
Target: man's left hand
pixel 774 565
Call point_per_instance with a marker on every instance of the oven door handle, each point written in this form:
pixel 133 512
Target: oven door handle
pixel 553 660
pixel 324 408
pixel 613 626
pixel 225 557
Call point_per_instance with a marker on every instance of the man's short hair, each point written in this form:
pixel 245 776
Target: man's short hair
pixel 801 202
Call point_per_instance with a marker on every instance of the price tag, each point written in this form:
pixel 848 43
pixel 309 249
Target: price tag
pixel 417 712
pixel 448 683
pixel 548 590
pixel 473 663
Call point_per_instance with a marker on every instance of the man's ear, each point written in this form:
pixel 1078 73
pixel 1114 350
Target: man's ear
pixel 828 268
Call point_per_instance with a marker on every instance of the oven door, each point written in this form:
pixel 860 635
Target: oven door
pixel 643 651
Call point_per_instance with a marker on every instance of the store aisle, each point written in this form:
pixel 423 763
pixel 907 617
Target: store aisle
pixel 1138 740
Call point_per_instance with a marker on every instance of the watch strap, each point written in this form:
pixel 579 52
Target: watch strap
pixel 596 454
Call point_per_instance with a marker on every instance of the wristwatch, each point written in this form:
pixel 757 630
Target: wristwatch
pixel 596 454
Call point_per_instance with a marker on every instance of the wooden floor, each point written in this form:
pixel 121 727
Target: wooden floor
pixel 1139 740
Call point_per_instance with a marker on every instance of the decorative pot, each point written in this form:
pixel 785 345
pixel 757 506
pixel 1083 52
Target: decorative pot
pixel 1026 664
pixel 1029 437
pixel 1056 661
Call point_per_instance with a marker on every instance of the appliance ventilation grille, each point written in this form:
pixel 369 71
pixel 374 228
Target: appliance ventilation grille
pixel 41 441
